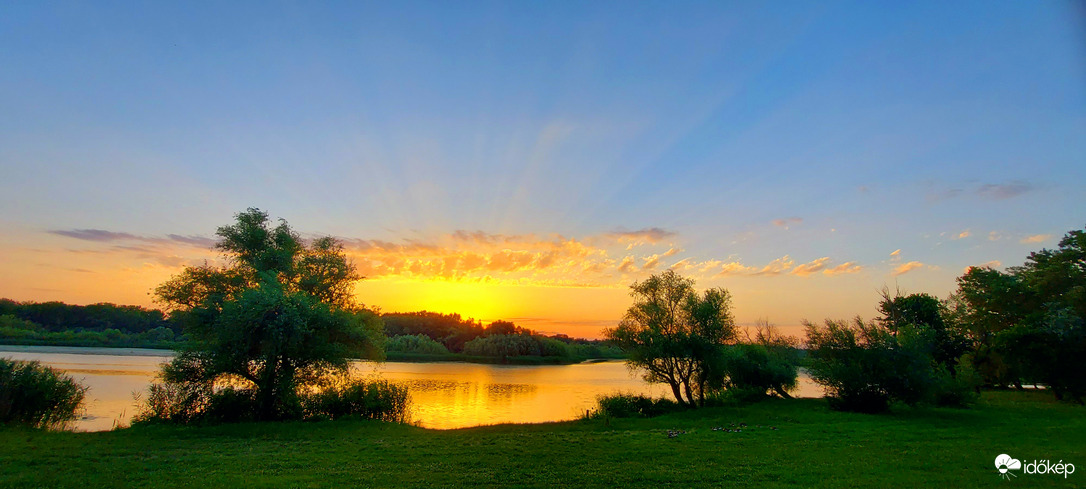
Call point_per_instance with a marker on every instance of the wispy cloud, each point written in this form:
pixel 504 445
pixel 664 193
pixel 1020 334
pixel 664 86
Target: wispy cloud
pixel 602 260
pixel 844 268
pixel 989 191
pixel 963 235
pixel 641 236
pixel 173 250
pixel 999 191
pixel 1036 238
pixel 815 266
pixel 98 235
pixel 907 267
pixel 787 222
pixel 896 253
pixel 651 262
pixel 775 267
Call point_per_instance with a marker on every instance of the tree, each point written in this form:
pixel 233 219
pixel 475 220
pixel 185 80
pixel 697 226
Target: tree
pixel 864 366
pixel 674 334
pixel 927 313
pixel 278 317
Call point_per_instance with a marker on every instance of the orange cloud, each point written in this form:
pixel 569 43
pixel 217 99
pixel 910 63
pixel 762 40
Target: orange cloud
pixel 1037 238
pixel 844 268
pixel 907 267
pixel 775 267
pixel 963 234
pixel 811 267
pixel 784 223
pixel 651 262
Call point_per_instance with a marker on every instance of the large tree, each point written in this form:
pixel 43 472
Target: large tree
pixel 277 317
pixel 674 334
pixel 1029 323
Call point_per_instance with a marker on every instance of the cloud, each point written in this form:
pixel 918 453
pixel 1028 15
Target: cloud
pixel 172 251
pixel 98 235
pixel 651 262
pixel 1005 190
pixel 103 236
pixel 994 236
pixel 896 253
pixel 907 267
pixel 775 267
pixel 963 235
pixel 844 268
pixel 989 191
pixel 647 235
pixel 785 223
pixel 477 256
pixel 810 267
pixel 1036 238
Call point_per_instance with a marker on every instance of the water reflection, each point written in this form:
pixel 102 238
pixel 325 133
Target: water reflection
pixel 444 395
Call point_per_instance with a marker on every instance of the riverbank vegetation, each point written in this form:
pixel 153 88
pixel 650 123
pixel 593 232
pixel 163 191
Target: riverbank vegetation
pixel 779 442
pixel 36 396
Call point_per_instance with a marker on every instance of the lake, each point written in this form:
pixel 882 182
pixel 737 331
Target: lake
pixel 444 395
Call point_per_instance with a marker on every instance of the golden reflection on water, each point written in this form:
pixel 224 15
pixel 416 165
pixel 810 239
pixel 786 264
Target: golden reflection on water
pixel 444 395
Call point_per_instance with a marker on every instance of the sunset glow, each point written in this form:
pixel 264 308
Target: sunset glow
pixel 516 162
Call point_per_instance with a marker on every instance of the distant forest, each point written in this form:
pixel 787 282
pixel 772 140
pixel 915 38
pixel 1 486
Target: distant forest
pixel 412 336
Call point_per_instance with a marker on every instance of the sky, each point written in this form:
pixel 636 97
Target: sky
pixel 529 161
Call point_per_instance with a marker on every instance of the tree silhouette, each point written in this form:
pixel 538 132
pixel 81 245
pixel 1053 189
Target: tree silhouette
pixel 674 334
pixel 279 316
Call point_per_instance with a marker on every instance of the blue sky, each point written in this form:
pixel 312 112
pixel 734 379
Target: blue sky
pixel 744 132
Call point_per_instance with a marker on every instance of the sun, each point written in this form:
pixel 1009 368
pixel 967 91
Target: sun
pixel 480 301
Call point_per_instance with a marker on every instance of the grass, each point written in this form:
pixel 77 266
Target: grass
pixel 812 446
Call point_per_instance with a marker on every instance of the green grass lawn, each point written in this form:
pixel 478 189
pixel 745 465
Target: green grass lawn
pixel 812 446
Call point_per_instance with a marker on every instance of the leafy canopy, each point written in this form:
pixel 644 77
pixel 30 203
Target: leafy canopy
pixel 279 316
pixel 674 334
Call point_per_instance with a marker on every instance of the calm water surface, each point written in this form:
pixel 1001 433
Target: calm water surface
pixel 444 395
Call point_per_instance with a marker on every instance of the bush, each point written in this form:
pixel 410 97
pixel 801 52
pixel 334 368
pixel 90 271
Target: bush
pixel 174 402
pixel 960 389
pixel 358 399
pixel 754 371
pixel 503 345
pixel 418 343
pixel 186 403
pixel 37 396
pixel 865 367
pixel 632 406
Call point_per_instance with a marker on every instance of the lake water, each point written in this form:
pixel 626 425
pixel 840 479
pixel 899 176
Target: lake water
pixel 444 395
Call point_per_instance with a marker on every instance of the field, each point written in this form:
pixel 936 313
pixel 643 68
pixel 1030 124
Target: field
pixel 811 446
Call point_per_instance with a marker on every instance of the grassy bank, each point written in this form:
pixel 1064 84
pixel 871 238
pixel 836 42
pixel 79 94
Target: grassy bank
pixel 811 446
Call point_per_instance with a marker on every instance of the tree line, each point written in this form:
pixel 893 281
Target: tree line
pixel 999 329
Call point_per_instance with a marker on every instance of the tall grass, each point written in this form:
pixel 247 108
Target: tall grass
pixel 632 406
pixel 37 396
pixel 193 403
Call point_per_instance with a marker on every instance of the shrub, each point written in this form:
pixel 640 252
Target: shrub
pixel 174 402
pixel 958 389
pixel 753 371
pixel 38 396
pixel 503 345
pixel 632 406
pixel 418 343
pixel 187 403
pixel 358 399
pixel 865 367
